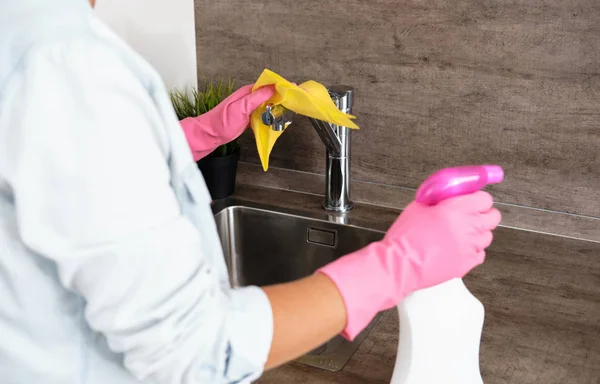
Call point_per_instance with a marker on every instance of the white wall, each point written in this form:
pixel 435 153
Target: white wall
pixel 162 31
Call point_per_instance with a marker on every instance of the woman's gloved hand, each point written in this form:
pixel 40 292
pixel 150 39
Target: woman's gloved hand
pixel 426 246
pixel 224 123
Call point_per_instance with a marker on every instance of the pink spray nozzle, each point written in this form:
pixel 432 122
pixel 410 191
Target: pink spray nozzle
pixel 452 182
pixel 495 173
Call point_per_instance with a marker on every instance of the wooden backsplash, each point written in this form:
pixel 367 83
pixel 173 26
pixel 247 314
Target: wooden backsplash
pixel 438 83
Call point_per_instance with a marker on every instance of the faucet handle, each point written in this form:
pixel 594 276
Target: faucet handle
pixel 342 96
pixel 277 117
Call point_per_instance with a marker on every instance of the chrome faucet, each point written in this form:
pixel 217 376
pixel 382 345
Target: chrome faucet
pixel 337 142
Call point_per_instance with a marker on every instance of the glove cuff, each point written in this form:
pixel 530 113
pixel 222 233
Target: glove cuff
pixel 200 136
pixel 364 285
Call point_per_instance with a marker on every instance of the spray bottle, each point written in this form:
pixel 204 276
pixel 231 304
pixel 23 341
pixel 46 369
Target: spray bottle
pixel 440 327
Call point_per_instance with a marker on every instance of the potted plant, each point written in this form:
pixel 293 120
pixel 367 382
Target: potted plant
pixel 220 167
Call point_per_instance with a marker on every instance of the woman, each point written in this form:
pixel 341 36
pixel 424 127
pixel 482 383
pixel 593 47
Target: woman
pixel 111 269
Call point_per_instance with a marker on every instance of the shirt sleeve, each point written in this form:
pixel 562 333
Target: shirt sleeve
pixel 86 160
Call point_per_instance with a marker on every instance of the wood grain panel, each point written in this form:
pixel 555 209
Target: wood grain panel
pixel 439 83
pixel 542 301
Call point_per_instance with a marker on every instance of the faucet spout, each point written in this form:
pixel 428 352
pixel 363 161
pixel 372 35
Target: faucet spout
pixel 328 136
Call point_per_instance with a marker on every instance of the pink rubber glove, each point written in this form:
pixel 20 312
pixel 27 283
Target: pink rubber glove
pixel 225 122
pixel 426 246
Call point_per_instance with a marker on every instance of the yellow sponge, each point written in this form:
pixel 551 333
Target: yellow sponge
pixel 309 99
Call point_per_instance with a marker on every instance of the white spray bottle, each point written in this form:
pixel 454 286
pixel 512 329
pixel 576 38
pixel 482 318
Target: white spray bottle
pixel 440 327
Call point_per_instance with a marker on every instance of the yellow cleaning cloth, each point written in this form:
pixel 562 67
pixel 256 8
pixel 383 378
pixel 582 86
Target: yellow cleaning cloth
pixel 309 99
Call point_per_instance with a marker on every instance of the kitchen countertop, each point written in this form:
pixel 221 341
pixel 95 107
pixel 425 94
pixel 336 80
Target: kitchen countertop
pixel 541 295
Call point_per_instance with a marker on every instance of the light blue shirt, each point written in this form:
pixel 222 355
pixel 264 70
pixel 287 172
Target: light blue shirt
pixel 111 269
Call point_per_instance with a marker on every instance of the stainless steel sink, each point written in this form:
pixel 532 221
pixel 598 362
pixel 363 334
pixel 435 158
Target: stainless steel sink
pixel 265 245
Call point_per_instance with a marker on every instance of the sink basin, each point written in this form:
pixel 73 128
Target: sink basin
pixel 265 245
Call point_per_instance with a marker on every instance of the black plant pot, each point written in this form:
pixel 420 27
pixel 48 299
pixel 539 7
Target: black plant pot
pixel 219 174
